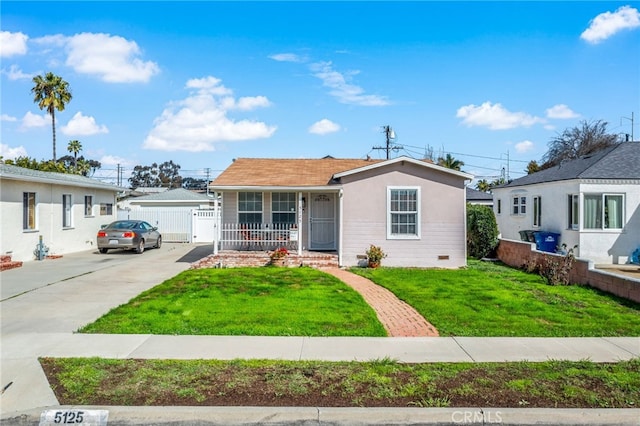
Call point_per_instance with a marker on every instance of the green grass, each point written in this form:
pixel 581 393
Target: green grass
pixel 245 301
pixel 584 384
pixel 488 299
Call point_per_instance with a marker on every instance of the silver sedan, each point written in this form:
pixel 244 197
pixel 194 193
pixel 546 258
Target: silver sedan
pixel 129 235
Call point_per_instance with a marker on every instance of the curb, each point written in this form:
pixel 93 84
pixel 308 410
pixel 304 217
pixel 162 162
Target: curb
pixel 294 416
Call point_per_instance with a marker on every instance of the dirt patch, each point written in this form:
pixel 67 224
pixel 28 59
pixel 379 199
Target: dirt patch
pixel 265 383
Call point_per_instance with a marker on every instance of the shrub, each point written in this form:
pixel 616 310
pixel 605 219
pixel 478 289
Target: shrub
pixel 482 231
pixel 375 255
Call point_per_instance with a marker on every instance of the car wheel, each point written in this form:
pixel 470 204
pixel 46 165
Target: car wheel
pixel 159 242
pixel 103 250
pixel 140 248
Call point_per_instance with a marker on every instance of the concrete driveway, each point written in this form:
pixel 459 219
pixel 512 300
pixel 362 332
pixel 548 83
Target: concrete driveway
pixel 60 295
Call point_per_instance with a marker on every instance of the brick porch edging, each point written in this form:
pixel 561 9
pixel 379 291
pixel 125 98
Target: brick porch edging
pixel 517 253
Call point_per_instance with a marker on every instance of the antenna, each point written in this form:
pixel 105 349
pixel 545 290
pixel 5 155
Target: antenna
pixel 390 135
pixel 630 119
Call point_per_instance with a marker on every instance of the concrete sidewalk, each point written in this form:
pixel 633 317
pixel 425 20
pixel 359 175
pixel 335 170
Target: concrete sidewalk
pixel 45 303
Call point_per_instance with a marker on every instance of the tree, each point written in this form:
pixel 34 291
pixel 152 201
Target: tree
pixel 75 147
pixel 51 93
pixel 483 185
pixel 533 167
pixel 449 162
pixel 166 175
pixel 482 231
pixel 578 141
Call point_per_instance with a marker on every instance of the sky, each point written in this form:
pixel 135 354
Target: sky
pixel 202 83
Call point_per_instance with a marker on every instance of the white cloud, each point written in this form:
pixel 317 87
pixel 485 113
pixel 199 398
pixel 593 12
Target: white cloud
pixel 201 120
pixel 113 59
pixel 12 153
pixel 7 117
pixel 81 125
pixel 495 117
pixel 561 111
pixel 608 24
pixel 112 160
pixel 12 44
pixel 524 146
pixel 342 89
pixel 15 73
pixel 34 120
pixel 287 57
pixel 323 127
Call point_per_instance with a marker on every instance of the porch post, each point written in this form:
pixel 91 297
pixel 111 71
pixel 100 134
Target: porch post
pixel 340 208
pixel 216 222
pixel 300 213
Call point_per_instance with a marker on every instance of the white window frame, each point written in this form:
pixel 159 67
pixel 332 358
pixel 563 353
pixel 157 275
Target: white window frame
pixel 29 210
pixel 519 205
pixel 106 209
pixel 603 211
pixel 573 211
pixel 261 211
pixel 417 212
pixel 537 211
pixel 88 205
pixel 67 211
pixel 275 207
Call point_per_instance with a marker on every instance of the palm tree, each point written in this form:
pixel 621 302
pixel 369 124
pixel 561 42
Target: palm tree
pixel 450 162
pixel 75 147
pixel 51 93
pixel 483 185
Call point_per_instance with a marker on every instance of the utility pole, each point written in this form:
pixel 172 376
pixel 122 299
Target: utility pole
pixel 208 170
pixel 389 136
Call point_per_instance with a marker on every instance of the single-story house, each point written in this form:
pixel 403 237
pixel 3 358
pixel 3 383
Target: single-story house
pixel 413 209
pixel 65 210
pixel 592 202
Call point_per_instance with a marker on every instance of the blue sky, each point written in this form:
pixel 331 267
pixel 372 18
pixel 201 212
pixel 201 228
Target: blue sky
pixel 202 83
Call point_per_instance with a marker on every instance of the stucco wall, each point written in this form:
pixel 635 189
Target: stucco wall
pixel 80 236
pixel 599 246
pixel 518 253
pixel 442 240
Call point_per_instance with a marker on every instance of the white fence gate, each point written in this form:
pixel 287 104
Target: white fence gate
pixel 177 225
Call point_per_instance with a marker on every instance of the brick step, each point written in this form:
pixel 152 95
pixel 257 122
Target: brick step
pixel 9 265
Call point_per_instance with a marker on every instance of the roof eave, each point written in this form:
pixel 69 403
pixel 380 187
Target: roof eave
pixel 402 159
pixel 96 185
pixel 272 188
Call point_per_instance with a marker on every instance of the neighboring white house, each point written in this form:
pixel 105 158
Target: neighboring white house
pixel 593 202
pixel 66 210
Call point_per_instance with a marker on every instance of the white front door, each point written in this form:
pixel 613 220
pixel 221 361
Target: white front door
pixel 322 218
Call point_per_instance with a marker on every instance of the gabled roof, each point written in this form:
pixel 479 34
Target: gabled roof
pixel 285 172
pixel 11 172
pixel 301 173
pixel 177 194
pixel 620 161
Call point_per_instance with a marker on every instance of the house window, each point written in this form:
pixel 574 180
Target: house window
pixel 88 205
pixel 603 211
pixel 403 217
pixel 106 209
pixel 537 211
pixel 573 208
pixel 519 206
pixel 499 206
pixel 250 207
pixel 283 207
pixel 28 210
pixel 67 209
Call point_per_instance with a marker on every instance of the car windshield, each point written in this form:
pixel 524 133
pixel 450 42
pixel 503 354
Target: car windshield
pixel 125 224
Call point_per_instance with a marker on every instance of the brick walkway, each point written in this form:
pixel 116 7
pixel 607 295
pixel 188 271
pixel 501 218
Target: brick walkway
pixel 397 317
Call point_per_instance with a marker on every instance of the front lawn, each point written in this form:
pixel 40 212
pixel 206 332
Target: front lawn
pixel 488 299
pixel 245 301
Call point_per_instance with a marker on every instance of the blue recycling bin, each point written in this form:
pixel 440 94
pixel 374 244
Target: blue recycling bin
pixel 547 241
